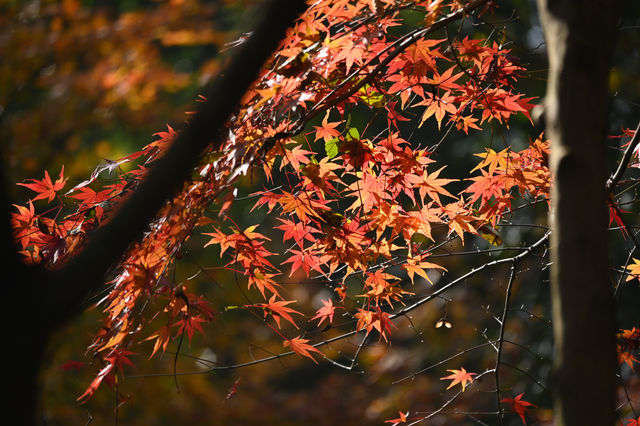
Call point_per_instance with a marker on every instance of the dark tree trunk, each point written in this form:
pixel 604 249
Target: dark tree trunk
pixel 579 38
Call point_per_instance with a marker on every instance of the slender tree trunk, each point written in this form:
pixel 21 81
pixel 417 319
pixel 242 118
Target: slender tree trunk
pixel 579 38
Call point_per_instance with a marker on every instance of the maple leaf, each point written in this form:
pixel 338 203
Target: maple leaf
pixel 71 365
pixel 233 390
pixel 295 157
pixel 381 288
pixel 190 324
pixel 368 320
pixel 305 258
pixel 420 51
pixel 278 309
pixel 632 422
pixel 162 337
pixel 118 358
pixel 262 281
pixel 394 116
pixel 301 347
pixel 45 188
pixel 518 405
pixel 414 266
pixel 301 204
pixel 460 219
pixel 495 160
pixel 328 130
pixel 466 122
pixel 22 223
pixel 634 270
pixel 432 186
pixel 401 419
pixel 459 376
pixel 437 106
pixel 95 383
pixel 626 357
pixel 297 231
pixel 325 313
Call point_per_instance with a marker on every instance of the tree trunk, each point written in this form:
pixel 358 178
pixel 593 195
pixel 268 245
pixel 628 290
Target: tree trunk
pixel 579 38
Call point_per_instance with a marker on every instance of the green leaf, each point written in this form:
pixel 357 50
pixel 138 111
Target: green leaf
pixel 331 147
pixel 419 238
pixel 372 97
pixel 353 134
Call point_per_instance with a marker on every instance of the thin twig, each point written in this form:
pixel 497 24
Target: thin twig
pixel 503 321
pixel 613 180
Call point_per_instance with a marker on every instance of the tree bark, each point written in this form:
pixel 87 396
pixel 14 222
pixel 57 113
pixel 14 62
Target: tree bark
pixel 579 38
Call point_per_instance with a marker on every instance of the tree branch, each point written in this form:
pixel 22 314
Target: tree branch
pixel 624 162
pixel 85 273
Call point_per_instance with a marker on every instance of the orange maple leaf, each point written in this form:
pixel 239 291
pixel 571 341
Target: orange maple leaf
pixel 279 310
pixel 162 337
pixel 438 106
pixel 328 130
pixel 432 186
pixel 301 347
pixel 634 270
pixel 495 160
pixel 295 157
pixel 401 419
pixel 414 266
pixel 368 320
pixel 459 376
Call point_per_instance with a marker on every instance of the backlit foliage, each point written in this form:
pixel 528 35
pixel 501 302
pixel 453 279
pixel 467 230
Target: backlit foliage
pixel 358 211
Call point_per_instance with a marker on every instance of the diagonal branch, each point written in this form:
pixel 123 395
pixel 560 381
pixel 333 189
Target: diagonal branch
pixel 624 162
pixel 85 273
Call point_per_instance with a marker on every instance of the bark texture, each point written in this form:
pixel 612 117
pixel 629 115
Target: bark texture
pixel 579 38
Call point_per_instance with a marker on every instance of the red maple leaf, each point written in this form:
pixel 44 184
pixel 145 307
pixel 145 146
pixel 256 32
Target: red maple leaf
pixel 190 324
pixel 22 222
pixel 95 384
pixel 45 188
pixel 305 258
pixel 118 358
pixel 72 365
pixel 518 405
pixel 299 231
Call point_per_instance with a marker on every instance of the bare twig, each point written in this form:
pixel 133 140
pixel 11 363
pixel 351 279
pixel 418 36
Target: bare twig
pixel 624 162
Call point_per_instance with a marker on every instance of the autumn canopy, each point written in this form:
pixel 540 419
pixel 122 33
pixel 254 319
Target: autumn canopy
pixel 325 211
